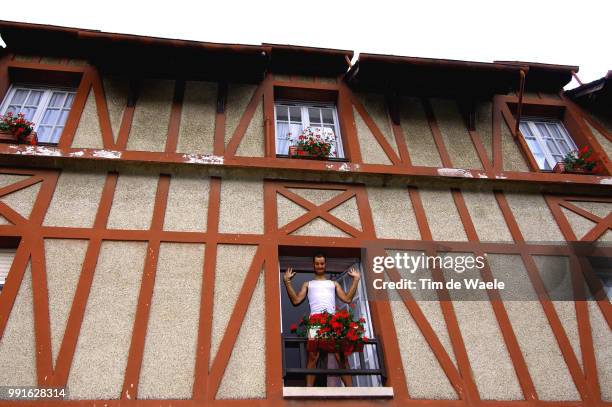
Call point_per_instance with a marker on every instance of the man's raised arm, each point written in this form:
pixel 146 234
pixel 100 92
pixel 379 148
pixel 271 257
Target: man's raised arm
pixel 295 298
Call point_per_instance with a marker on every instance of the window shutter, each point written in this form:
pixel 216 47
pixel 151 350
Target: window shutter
pixel 6 259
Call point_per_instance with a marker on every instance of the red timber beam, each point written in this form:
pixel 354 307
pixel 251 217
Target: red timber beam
pixel 584 390
pixel 143 308
pixel 77 310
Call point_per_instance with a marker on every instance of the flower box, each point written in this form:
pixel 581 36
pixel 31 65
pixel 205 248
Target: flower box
pixel 333 346
pixel 17 129
pixel 297 151
pixel 7 137
pixel 560 168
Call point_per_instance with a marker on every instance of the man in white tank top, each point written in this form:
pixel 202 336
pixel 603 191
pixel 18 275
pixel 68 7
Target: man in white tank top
pixel 322 297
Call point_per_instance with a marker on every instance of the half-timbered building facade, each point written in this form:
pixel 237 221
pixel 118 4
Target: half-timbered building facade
pixel 143 238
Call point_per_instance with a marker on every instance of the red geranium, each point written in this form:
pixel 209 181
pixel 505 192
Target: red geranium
pixel 19 126
pixel 339 331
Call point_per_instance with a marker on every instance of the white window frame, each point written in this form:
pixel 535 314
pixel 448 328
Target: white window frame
pixel 305 120
pixel 43 104
pixel 531 132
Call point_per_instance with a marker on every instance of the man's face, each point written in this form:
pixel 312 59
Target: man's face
pixel 319 265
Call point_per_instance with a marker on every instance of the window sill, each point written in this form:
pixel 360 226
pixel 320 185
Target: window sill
pixel 338 392
pixel 304 157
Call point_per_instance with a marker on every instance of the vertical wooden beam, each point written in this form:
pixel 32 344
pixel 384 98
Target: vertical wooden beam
pixel 128 115
pixel 350 141
pixel 74 117
pixel 143 308
pixel 236 320
pixel 174 123
pixel 583 323
pixel 202 363
pixel 497 304
pixel 268 109
pixel 79 303
pixel 42 325
pixel 498 165
pixel 108 138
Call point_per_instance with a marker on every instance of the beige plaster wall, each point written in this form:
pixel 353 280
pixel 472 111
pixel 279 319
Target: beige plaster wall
pixel 543 357
pixel 490 361
pixel 424 375
pixel 100 358
pixel 419 139
pixel 133 200
pixel 557 277
pixel 580 225
pixel 151 116
pixel 21 201
pixel 197 131
pixel 371 151
pixel 455 135
pixel 170 345
pixel 392 213
pixel 238 97
pixel 245 374
pixel 486 215
pixel 64 260
pixel 76 199
pixel 442 215
pixel 348 212
pixel 88 133
pixel 17 344
pixel 116 93
pixel 602 337
pixel 187 207
pixel 484 126
pixel 253 141
pixel 376 107
pixel 533 216
pixel 287 210
pixel 320 227
pixel 233 262
pixel 241 206
pixel 512 157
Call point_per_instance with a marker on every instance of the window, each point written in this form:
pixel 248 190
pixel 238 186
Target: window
pixel 293 117
pixel 366 365
pixel 6 260
pixel 548 140
pixel 47 107
pixel 602 267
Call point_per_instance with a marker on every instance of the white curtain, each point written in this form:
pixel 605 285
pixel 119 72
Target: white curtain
pixel 286 135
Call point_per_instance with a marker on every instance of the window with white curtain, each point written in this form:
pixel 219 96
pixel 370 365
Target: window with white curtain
pixel 293 117
pixel 547 139
pixel 46 107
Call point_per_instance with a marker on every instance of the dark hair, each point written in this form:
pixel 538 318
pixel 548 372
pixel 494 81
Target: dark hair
pixel 318 255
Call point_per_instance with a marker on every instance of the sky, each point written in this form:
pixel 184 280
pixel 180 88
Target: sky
pixel 557 32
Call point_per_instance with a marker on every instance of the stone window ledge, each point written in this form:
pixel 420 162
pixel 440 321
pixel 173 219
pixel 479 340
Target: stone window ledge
pixel 338 392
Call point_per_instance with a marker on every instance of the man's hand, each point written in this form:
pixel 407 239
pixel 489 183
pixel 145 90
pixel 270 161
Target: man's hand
pixel 354 273
pixel 289 274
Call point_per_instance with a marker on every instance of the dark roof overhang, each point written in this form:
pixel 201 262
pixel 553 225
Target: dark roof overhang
pixel 544 77
pixel 290 59
pixel 595 95
pixel 452 78
pixel 131 54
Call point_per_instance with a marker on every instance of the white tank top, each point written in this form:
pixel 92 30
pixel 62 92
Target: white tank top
pixel 322 296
